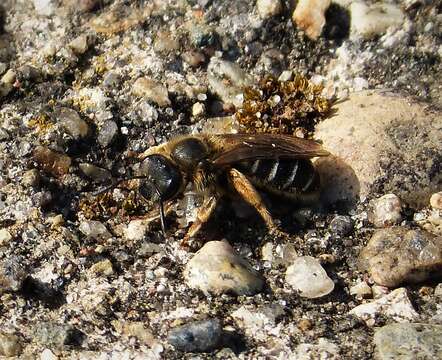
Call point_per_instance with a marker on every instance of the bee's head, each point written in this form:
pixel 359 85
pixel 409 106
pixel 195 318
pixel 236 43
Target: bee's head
pixel 160 178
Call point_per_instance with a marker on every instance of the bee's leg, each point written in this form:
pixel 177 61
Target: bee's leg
pixel 248 192
pixel 203 214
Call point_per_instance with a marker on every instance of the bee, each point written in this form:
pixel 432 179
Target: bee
pixel 218 165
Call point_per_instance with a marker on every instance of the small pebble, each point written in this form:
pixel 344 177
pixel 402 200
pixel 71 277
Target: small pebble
pixel 309 16
pixel 80 44
pixel 5 237
pixel 200 336
pixel 96 173
pixel 111 80
pixel 361 290
pixel 438 290
pixel 31 178
pixel 151 90
pixel 12 274
pixel 51 161
pixel 395 305
pixel 94 229
pixel 7 82
pixel 385 211
pixel 165 42
pixel 398 255
pixel 47 354
pixel 216 268
pixel 341 225
pixel 436 200
pixel 194 58
pixel 71 123
pixel 102 268
pixel 107 133
pixel 198 109
pixel 10 345
pixel 307 276
pixel 268 8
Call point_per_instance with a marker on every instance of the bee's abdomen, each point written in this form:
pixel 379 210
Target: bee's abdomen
pixel 282 175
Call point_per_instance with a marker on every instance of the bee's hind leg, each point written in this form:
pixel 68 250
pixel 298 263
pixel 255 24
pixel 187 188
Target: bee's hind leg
pixel 248 192
pixel 202 216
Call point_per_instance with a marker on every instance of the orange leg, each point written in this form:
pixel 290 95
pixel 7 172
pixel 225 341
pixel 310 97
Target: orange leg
pixel 203 215
pixel 248 192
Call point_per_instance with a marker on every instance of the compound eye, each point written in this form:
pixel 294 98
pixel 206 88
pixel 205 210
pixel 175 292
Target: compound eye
pixel 163 179
pixel 189 152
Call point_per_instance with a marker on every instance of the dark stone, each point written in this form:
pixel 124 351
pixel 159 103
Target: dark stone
pixel 12 274
pixel 200 336
pixel 341 225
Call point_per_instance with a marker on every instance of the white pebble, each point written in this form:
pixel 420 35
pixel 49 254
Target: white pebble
pixel 307 276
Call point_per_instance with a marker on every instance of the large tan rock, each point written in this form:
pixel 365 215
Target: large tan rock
pixel 381 143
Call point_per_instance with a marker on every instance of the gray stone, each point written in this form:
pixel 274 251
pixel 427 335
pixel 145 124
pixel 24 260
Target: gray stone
pixel 12 274
pixel 80 44
pixel 375 139
pixel 395 305
pixel 385 211
pixel 216 268
pixel 57 336
pixel 307 276
pixel 198 336
pixel 408 341
pixel 341 225
pixel 398 255
pixel 107 133
pixel 10 345
pixel 227 80
pixel 71 123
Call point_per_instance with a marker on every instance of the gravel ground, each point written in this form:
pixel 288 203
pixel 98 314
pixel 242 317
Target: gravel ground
pixel 87 85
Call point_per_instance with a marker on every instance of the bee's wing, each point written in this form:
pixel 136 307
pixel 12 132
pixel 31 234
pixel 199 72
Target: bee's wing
pixel 246 147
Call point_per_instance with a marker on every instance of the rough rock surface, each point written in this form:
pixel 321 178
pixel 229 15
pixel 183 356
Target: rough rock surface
pixel 396 255
pixel 407 341
pixel 396 305
pixel 381 143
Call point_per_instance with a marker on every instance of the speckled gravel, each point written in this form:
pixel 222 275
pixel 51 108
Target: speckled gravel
pixel 88 85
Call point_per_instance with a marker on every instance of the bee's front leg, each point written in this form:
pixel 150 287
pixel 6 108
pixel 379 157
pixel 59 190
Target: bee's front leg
pixel 248 192
pixel 202 216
